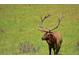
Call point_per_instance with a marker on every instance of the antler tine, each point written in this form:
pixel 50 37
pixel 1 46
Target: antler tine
pixel 42 21
pixel 60 17
pixel 59 20
pixel 45 17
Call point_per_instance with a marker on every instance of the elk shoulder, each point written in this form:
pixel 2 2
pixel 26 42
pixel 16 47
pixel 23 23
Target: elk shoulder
pixel 58 37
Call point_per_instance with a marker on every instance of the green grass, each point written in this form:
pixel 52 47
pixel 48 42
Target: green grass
pixel 19 24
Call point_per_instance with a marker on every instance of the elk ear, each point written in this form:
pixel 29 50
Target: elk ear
pixel 42 30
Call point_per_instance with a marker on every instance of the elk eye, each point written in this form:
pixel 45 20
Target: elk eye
pixel 48 35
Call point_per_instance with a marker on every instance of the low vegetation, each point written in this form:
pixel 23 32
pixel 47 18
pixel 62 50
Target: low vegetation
pixel 19 32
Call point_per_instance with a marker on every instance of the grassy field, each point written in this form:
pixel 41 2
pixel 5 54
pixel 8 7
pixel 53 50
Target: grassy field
pixel 19 32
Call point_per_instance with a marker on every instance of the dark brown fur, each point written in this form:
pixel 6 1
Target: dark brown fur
pixel 54 41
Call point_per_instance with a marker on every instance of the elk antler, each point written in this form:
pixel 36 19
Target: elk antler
pixel 59 20
pixel 41 24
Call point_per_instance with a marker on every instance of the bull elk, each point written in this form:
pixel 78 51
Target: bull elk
pixel 53 39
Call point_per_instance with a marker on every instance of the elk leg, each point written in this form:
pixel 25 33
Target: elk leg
pixel 49 50
pixel 54 50
pixel 57 50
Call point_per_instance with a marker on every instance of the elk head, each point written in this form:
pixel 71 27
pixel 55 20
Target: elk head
pixel 48 32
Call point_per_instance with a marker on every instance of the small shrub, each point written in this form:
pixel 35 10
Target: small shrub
pixel 27 47
pixel 77 44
